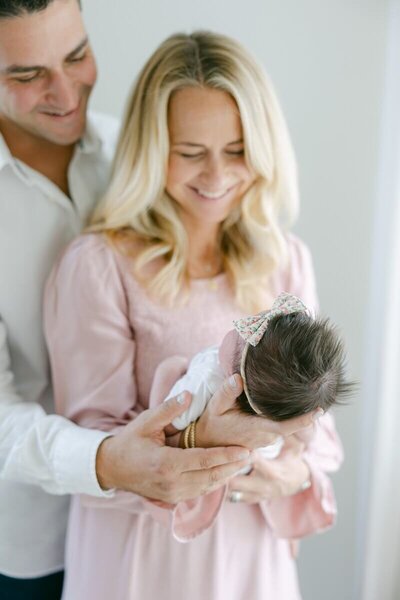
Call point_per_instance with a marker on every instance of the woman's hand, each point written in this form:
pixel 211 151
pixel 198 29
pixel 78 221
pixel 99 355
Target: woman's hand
pixel 285 475
pixel 222 424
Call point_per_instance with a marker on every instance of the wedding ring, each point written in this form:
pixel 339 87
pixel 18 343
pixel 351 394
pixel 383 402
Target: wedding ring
pixel 305 485
pixel 236 496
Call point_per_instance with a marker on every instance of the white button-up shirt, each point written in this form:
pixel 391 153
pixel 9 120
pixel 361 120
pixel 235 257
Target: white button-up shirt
pixel 43 456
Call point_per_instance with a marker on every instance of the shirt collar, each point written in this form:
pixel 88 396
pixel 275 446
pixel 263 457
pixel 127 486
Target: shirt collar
pixel 6 157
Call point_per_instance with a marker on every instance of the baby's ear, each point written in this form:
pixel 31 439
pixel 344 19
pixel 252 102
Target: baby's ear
pixel 227 351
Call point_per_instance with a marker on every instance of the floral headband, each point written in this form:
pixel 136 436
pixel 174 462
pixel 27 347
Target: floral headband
pixel 252 328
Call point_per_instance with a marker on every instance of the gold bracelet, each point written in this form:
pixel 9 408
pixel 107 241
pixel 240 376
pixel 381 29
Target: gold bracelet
pixel 186 436
pixel 192 436
pixel 192 440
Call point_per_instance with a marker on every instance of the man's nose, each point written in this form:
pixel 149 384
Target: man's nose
pixel 62 92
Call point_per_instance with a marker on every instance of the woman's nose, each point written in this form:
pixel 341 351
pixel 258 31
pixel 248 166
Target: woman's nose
pixel 214 171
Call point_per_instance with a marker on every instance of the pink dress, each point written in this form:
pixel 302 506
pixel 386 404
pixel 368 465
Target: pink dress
pixel 106 338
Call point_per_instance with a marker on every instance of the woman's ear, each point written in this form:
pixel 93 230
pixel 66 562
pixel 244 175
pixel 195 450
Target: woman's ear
pixel 231 343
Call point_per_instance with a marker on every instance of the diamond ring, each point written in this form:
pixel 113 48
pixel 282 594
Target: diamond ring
pixel 305 485
pixel 236 496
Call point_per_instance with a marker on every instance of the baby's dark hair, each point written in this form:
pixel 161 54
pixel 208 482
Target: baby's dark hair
pixel 297 367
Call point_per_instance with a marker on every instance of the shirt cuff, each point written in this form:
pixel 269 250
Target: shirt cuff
pixel 75 461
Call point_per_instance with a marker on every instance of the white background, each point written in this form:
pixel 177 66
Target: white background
pixel 327 59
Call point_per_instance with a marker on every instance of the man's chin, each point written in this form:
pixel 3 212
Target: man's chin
pixel 64 140
pixel 60 132
pixel 62 137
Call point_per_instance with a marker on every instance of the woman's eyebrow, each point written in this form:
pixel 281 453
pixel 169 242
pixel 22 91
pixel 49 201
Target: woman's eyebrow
pixel 240 141
pixel 188 144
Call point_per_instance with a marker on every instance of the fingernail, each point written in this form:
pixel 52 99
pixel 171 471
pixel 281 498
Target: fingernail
pixel 181 399
pixel 318 413
pixel 232 382
pixel 246 470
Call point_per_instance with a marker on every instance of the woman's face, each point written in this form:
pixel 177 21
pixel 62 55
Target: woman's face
pixel 207 173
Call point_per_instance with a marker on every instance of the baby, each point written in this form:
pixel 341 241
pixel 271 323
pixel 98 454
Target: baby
pixel 290 363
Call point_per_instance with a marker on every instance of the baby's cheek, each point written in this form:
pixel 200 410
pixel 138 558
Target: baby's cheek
pixel 227 352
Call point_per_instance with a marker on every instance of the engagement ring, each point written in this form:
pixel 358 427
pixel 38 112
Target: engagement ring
pixel 236 496
pixel 305 485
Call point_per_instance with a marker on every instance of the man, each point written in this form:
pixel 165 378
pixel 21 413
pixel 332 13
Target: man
pixel 54 164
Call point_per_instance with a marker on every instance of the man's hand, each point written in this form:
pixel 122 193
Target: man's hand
pixel 137 460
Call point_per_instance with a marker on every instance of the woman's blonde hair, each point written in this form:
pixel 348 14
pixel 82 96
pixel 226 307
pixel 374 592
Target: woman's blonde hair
pixel 136 205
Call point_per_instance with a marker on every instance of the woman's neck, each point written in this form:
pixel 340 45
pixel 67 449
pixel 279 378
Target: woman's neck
pixel 204 256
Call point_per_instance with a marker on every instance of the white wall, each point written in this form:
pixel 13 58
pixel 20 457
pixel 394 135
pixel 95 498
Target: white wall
pixel 379 575
pixel 326 59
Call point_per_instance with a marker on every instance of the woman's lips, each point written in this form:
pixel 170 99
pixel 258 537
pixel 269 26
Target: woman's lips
pixel 211 195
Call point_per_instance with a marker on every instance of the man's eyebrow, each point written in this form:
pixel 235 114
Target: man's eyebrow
pixel 78 49
pixel 19 69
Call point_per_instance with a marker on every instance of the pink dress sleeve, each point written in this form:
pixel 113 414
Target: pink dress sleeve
pixel 314 509
pixel 91 346
pixel 92 354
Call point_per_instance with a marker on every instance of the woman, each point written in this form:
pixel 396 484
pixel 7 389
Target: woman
pixel 188 237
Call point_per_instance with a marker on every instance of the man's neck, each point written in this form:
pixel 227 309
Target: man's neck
pixel 50 159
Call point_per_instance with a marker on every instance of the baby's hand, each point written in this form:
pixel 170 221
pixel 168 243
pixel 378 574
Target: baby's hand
pixel 171 430
pixel 172 436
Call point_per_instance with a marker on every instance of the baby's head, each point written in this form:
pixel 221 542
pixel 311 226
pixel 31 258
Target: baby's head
pixel 297 366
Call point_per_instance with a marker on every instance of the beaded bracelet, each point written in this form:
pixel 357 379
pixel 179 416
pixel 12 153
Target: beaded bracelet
pixel 186 436
pixel 189 435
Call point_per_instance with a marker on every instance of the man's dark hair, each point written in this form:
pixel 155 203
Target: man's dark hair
pixel 297 367
pixel 16 8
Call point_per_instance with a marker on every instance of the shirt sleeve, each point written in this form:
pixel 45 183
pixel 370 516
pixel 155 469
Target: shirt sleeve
pixel 313 509
pixel 92 353
pixel 40 449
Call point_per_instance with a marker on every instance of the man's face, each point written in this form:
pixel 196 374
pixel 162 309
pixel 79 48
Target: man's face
pixel 47 72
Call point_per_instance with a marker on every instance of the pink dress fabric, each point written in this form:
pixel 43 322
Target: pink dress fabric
pixel 106 337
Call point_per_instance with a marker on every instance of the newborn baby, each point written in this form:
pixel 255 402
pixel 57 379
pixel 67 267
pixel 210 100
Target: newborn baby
pixel 290 363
